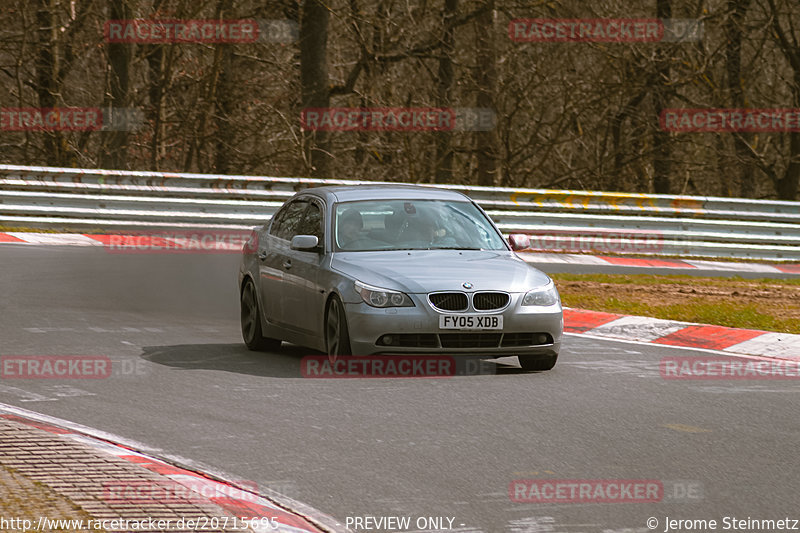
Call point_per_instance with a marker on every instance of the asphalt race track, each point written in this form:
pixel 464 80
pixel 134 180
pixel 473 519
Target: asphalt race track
pixel 185 386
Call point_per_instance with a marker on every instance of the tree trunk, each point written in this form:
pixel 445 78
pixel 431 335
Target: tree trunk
pixel 224 100
pixel 314 18
pixel 47 78
pixel 119 58
pixel 662 153
pixel 155 90
pixel 487 142
pixel 787 185
pixel 742 167
pixel 617 124
pixel 444 89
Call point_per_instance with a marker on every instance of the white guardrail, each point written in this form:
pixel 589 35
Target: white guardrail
pixel 556 221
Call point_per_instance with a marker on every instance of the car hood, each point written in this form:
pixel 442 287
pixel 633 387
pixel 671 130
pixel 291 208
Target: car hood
pixel 423 271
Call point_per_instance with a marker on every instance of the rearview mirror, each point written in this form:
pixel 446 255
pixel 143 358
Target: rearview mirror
pixel 519 241
pixel 305 243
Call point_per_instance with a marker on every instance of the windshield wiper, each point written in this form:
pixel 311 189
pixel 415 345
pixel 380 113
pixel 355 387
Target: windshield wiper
pixel 455 248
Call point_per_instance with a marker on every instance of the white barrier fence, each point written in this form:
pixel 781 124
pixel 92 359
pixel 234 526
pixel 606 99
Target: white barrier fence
pixel 555 220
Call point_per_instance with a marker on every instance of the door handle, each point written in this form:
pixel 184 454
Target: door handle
pixel 287 264
pixel 262 254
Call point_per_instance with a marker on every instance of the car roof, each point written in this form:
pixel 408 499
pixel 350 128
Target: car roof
pixel 387 191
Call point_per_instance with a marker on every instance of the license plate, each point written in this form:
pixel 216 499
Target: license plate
pixel 471 322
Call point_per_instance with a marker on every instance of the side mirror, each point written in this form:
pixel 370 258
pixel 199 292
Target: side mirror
pixel 519 241
pixel 305 243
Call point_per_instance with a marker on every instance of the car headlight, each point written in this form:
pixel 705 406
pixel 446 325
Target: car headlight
pixel 378 297
pixel 547 295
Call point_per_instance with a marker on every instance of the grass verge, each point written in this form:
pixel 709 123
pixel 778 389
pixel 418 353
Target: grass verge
pixel 24 229
pixel 764 304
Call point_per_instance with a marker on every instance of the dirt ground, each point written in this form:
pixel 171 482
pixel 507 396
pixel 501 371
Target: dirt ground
pixel 785 298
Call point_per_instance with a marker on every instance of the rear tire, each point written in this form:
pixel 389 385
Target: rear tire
pixel 337 336
pixel 251 321
pixel 537 363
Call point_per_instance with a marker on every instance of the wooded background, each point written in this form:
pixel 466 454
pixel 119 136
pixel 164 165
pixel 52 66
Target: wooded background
pixel 576 115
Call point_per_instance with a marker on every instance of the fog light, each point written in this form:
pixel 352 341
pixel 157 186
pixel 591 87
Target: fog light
pixel 389 340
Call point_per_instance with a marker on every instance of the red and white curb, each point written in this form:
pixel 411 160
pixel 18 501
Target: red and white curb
pixel 682 334
pixel 232 242
pixel 678 264
pixel 236 500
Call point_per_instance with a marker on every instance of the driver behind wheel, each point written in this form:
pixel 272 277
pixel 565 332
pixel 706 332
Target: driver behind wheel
pixel 421 228
pixel 349 227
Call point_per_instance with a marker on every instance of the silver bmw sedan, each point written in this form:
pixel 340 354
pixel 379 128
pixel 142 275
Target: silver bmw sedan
pixel 394 269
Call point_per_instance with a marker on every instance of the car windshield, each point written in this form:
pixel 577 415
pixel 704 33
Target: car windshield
pixel 413 225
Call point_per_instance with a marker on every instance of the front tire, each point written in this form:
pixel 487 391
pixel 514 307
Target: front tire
pixel 337 336
pixel 251 321
pixel 537 363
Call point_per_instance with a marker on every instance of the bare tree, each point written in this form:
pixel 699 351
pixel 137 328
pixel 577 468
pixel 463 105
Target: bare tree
pixel 570 114
pixel 48 78
pixel 487 143
pixel 119 61
pixel 786 185
pixel 662 155
pixel 444 89
pixel 742 168
pixel 314 17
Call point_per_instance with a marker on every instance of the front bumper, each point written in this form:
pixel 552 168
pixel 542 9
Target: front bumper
pixel 368 324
